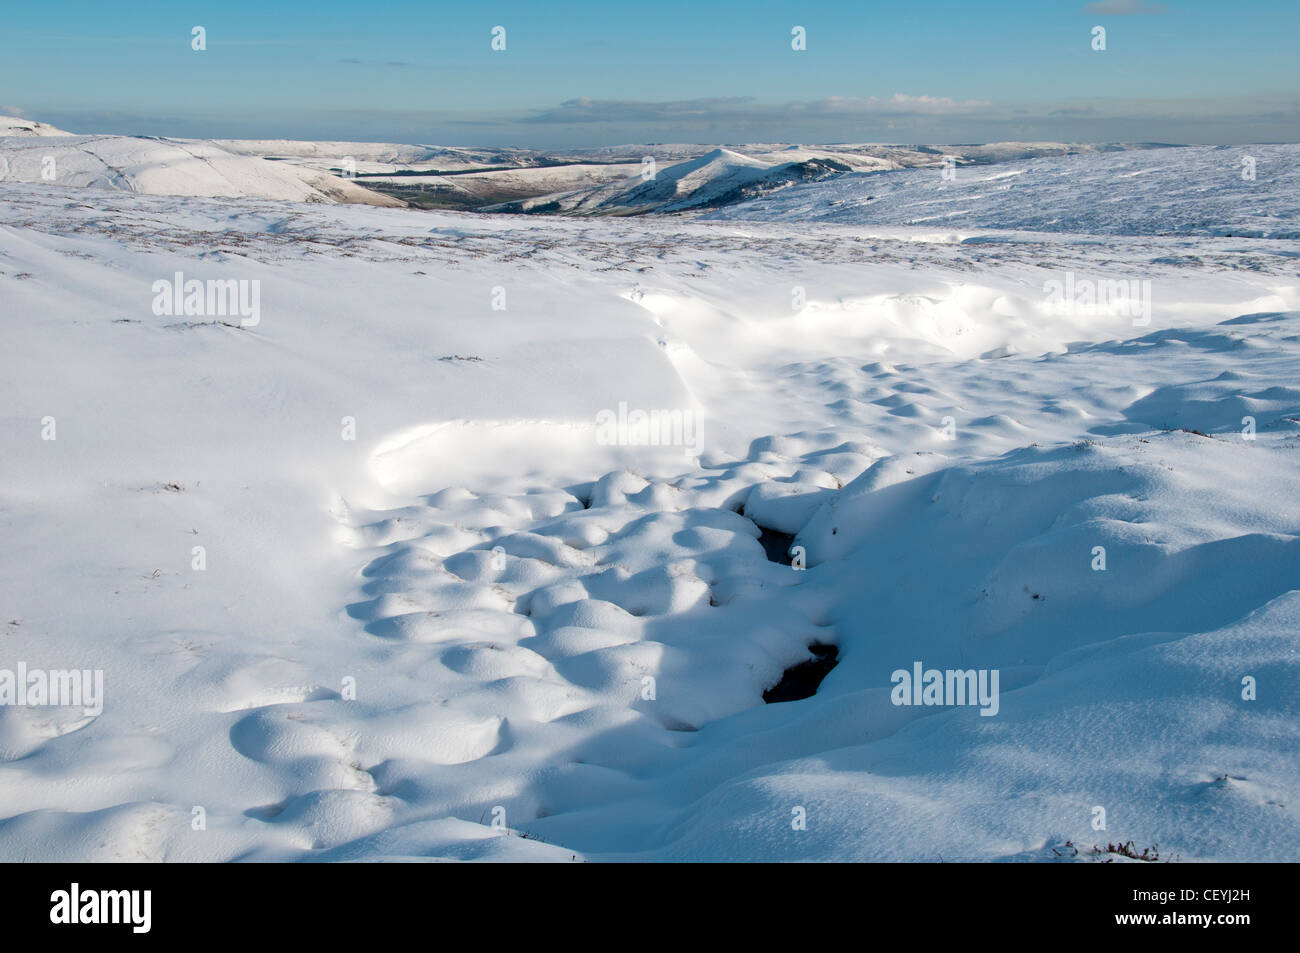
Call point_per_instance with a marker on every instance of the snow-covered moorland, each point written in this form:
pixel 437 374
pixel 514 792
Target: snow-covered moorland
pixel 371 548
pixel 35 152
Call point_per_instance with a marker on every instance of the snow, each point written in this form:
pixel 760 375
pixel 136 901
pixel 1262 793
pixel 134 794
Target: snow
pixel 164 167
pixel 15 126
pixel 682 185
pixel 1189 190
pixel 497 583
pixel 601 181
pixel 379 157
pixel 481 188
pixel 725 176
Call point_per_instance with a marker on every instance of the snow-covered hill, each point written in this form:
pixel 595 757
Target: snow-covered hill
pixel 379 157
pixel 165 167
pixel 1190 190
pixel 599 181
pixel 701 181
pixel 725 177
pixel 15 126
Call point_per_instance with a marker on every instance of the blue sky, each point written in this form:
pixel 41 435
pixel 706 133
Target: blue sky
pixel 583 74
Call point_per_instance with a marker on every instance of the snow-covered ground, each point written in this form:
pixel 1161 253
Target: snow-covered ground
pixel 32 152
pixel 626 180
pixel 728 176
pixel 369 575
pixel 1188 190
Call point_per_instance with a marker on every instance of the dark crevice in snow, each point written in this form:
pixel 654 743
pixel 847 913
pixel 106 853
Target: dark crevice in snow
pixel 803 680
pixel 582 492
pixel 775 544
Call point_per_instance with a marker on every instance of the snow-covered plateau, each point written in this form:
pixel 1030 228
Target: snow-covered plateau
pixel 402 534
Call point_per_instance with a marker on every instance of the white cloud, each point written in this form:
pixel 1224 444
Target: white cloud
pixel 1123 8
pixel 899 104
pixel 744 108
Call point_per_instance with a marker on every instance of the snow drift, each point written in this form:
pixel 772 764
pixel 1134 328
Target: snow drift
pixel 363 582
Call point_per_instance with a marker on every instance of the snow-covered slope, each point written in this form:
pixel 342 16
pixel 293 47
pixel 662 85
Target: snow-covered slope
pixel 719 177
pixel 603 181
pixel 169 167
pixel 477 190
pixel 15 126
pixel 1190 190
pixel 728 176
pixel 368 577
pixel 378 157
